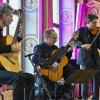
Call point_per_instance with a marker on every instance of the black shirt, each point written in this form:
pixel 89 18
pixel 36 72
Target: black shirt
pixel 45 51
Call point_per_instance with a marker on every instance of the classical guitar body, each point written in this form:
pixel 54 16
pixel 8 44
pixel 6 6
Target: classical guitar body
pixel 9 61
pixel 58 74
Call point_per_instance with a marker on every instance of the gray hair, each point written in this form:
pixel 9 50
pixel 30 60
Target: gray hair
pixel 5 8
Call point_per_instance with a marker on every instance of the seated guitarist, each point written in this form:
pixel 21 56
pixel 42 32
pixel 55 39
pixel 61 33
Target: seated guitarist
pixel 20 81
pixel 46 48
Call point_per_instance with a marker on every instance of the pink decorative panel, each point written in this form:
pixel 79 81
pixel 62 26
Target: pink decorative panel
pixel 67 8
pixel 1 1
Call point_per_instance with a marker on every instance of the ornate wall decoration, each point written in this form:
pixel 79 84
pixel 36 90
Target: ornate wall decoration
pixel 30 41
pixel 31 5
pixel 94 7
pixel 67 16
pixel 30 8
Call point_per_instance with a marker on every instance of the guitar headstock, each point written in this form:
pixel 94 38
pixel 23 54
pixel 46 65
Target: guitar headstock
pixel 75 37
pixel 17 12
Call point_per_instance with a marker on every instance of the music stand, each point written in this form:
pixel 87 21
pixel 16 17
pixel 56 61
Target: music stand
pixel 81 76
pixel 43 82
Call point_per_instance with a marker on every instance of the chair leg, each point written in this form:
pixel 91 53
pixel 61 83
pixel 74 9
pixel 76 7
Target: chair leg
pixel 2 97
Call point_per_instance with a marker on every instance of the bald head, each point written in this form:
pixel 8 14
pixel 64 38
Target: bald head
pixel 50 36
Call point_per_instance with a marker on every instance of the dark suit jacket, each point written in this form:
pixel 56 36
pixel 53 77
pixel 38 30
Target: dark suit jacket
pixel 89 58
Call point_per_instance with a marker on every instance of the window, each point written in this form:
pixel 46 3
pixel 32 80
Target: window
pixel 56 18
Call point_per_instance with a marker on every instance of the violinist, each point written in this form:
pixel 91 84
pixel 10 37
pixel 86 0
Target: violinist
pixel 88 58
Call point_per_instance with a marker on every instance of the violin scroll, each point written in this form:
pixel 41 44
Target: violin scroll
pixel 95 31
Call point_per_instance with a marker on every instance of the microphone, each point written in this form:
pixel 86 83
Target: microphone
pixel 36 58
pixel 28 55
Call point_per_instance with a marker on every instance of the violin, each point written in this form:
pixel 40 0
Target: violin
pixel 95 31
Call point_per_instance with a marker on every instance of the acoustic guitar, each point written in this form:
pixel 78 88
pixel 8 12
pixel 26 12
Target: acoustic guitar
pixel 10 61
pixel 57 74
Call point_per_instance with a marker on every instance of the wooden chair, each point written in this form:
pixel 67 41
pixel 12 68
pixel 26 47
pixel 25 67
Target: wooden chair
pixel 6 92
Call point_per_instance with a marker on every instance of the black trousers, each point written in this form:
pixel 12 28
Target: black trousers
pixel 95 82
pixel 23 84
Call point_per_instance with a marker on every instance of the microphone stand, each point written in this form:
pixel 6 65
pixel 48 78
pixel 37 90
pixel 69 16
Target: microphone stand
pixel 43 82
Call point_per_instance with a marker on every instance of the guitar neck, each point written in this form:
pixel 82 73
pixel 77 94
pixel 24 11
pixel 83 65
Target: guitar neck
pixel 17 31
